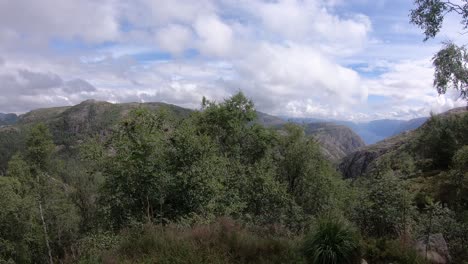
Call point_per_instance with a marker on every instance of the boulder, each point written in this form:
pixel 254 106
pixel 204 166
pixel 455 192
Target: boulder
pixel 434 249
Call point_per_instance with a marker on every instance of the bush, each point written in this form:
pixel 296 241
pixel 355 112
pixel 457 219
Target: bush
pixel 333 241
pixel 390 251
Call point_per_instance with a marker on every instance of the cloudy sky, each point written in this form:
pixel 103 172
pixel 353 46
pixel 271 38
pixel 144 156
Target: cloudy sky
pixel 341 59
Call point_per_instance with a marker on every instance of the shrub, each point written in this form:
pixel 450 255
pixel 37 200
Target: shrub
pixel 332 241
pixel 382 250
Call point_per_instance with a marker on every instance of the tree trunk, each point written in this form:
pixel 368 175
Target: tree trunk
pixel 46 235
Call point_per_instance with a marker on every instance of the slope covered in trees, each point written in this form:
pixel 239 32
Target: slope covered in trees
pixel 214 187
pixel 72 124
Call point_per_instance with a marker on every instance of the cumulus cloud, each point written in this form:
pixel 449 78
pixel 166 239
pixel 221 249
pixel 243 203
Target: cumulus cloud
pixel 174 38
pixel 292 57
pixel 91 21
pixel 77 86
pixel 407 85
pixel 301 74
pixel 215 36
pixel 26 89
pixel 310 21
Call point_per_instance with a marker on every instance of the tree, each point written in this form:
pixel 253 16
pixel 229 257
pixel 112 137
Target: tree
pixel 56 215
pixel 459 180
pixel 135 168
pixel 451 70
pixel 309 177
pixel 385 206
pixel 18 230
pixel 229 125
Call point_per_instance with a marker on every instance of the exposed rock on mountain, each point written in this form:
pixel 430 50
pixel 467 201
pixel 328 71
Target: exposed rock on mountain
pixel 336 141
pixel 71 124
pixel 365 159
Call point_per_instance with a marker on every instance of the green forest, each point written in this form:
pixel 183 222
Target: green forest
pixel 161 185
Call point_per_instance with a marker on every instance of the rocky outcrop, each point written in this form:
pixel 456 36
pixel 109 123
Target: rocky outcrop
pixel 362 161
pixel 434 249
pixel 336 141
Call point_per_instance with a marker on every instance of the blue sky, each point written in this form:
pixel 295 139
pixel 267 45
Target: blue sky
pixel 342 59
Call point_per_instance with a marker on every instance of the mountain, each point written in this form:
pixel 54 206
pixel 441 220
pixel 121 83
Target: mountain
pixel 336 141
pixel 407 146
pixel 8 119
pixel 410 125
pixel 70 125
pixel 373 131
pixel 269 120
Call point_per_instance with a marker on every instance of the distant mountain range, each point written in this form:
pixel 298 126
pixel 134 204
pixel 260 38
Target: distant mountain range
pixel 370 132
pixel 336 141
pixel 373 131
pixel 365 159
pixel 8 119
pixel 70 124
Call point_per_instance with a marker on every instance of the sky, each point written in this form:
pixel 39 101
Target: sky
pixel 352 60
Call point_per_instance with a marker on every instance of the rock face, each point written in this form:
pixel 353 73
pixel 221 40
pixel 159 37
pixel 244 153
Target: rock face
pixel 434 248
pixel 362 160
pixel 336 141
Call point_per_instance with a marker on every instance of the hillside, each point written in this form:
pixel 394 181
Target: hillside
pixel 257 186
pixel 8 119
pixel 70 125
pixel 336 141
pixel 372 131
pixel 407 143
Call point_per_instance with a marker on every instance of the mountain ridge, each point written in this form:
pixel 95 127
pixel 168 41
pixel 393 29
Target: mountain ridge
pixel 70 125
pixel 365 159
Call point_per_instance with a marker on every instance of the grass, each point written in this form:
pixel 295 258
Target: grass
pixel 223 241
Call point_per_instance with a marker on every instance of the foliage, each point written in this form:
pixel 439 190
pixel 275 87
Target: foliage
pixel 383 250
pixel 223 241
pixel 17 226
pixel 51 212
pixel 136 179
pixel 450 62
pixel 441 137
pixel 436 218
pixel 332 241
pixel 385 208
pixel 308 176
pixel 149 188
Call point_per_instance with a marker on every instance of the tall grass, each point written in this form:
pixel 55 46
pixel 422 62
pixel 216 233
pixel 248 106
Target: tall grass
pixel 332 242
pixel 221 242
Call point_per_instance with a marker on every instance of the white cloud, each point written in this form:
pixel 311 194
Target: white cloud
pixel 407 85
pixel 291 56
pixel 174 38
pixel 216 37
pixel 91 21
pixel 312 22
